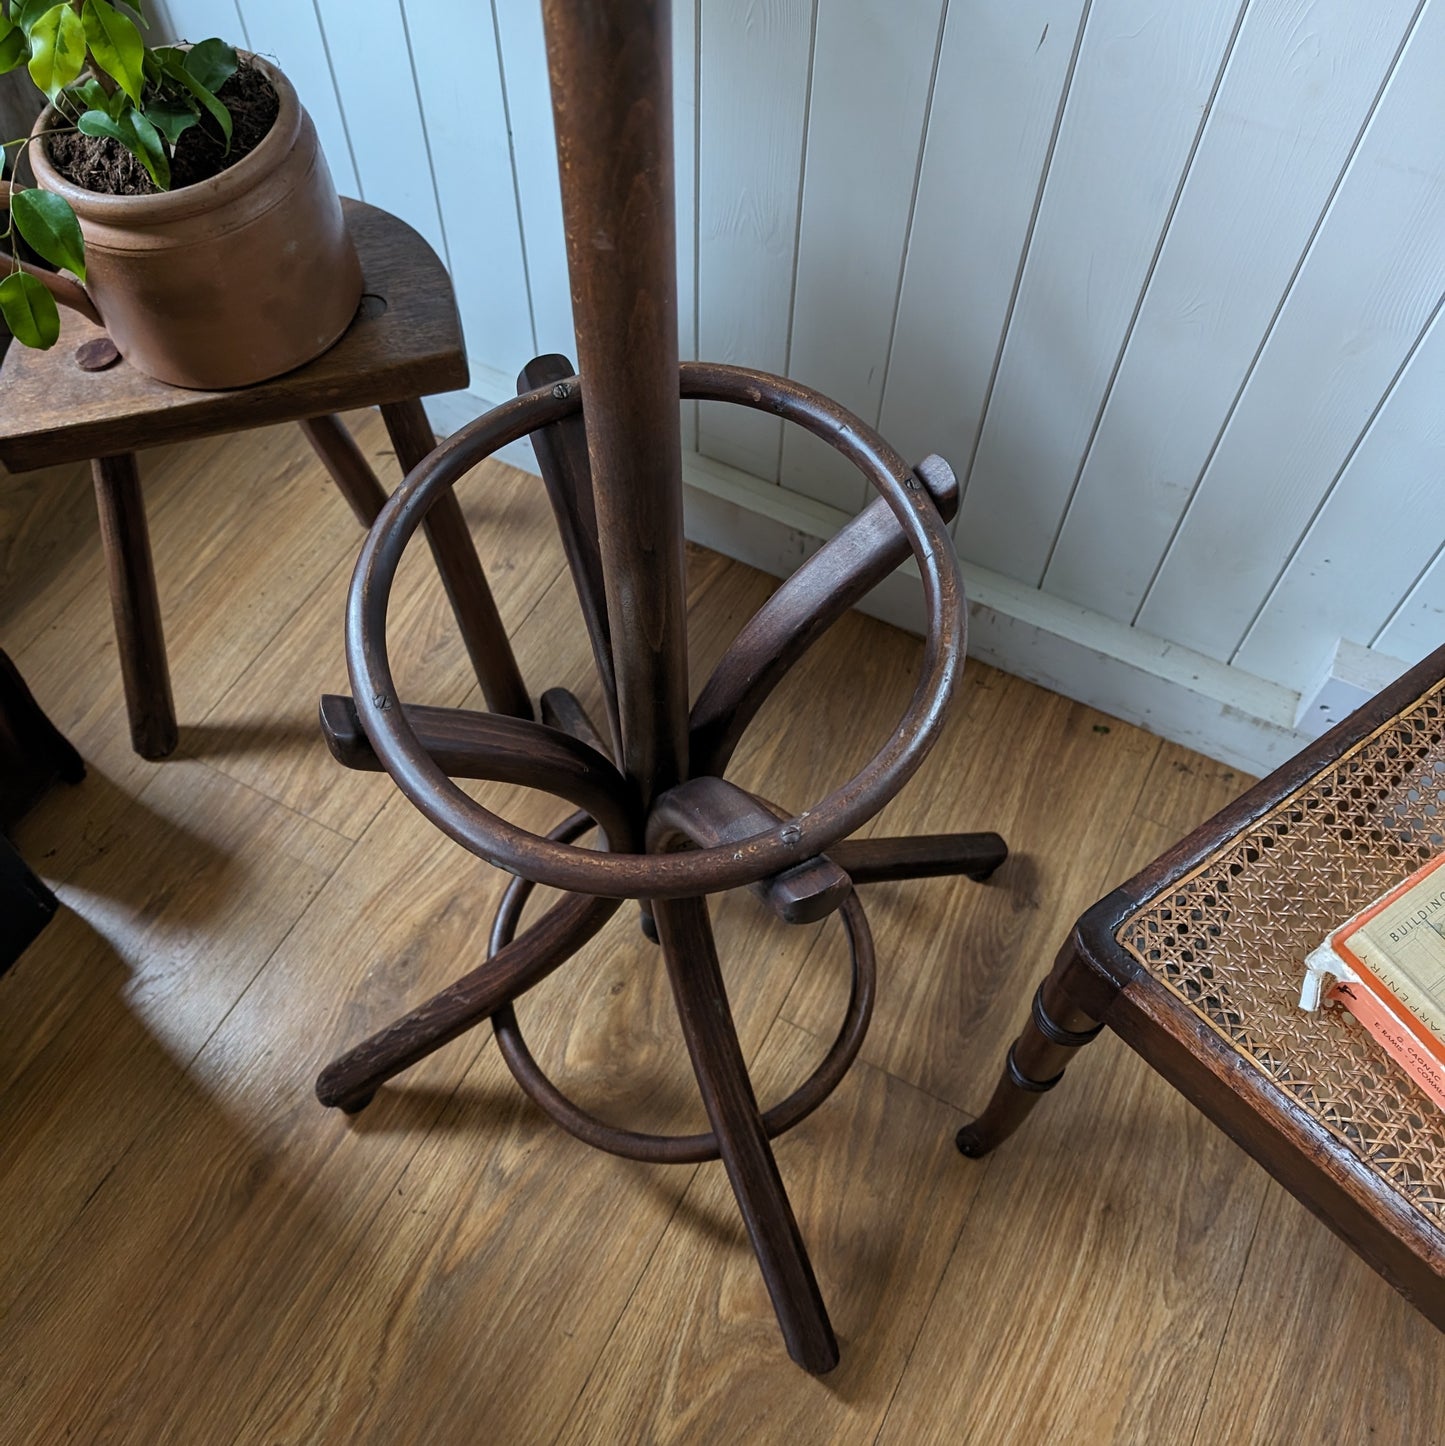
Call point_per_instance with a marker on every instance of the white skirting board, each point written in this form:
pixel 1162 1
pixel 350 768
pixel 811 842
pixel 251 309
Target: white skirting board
pixel 1241 720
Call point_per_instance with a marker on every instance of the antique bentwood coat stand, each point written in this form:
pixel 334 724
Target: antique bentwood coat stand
pixel 672 829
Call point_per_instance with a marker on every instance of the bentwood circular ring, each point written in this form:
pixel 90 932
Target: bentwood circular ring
pixel 663 875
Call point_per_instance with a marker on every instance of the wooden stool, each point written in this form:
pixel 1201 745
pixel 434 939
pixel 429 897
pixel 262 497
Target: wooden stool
pixel 1197 964
pixel 405 343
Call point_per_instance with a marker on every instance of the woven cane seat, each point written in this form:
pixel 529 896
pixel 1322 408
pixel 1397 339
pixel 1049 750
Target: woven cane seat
pixel 1227 940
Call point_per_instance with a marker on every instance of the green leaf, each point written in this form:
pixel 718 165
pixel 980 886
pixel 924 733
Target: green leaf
pixel 46 221
pixel 212 62
pixel 88 94
pixel 29 311
pixel 175 66
pixel 14 48
pixel 116 45
pixel 172 118
pixel 27 12
pixel 57 49
pixel 137 135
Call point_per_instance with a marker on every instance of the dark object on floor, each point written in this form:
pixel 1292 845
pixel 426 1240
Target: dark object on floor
pixel 405 343
pixel 1197 964
pixel 651 777
pixel 33 756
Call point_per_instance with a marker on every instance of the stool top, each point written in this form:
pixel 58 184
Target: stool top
pixel 406 342
pixel 1226 935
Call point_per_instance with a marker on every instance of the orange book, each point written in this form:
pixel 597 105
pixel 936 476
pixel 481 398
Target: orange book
pixel 1387 967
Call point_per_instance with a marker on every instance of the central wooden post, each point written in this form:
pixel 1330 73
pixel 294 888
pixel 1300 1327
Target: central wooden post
pixel 611 69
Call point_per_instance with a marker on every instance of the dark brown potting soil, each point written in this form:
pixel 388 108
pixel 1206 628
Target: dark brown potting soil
pixel 99 163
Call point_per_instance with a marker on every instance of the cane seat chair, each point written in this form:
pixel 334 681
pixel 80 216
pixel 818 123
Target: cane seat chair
pixel 1197 964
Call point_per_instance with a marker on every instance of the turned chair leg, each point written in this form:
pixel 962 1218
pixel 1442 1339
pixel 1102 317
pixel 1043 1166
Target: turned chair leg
pixel 135 605
pixel 1056 1027
pixel 446 530
pixel 732 1108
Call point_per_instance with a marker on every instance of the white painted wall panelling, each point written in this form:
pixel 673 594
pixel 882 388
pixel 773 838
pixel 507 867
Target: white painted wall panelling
pixel 459 81
pixel 194 20
pixel 1418 625
pixel 1145 77
pixel 1002 74
pixel 529 104
pixel 1108 272
pixel 873 65
pixel 372 62
pixel 1376 533
pixel 290 33
pixel 752 106
pixel 1300 86
pixel 1374 275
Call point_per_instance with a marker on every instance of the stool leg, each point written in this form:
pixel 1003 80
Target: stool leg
pixel 732 1108
pixel 451 544
pixel 135 605
pixel 461 573
pixel 1056 1027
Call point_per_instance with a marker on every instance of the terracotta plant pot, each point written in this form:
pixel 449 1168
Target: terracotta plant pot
pixel 231 280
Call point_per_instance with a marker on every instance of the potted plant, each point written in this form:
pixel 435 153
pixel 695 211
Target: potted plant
pixel 185 190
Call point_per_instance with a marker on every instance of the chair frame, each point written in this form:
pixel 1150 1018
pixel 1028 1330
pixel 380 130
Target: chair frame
pixel 1095 982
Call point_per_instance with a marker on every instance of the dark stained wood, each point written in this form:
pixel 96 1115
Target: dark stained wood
pixel 461 573
pixel 804 835
pixel 840 574
pixel 346 466
pixel 611 71
pixel 1096 979
pixel 619 512
pixel 135 605
pixel 446 530
pixel 727 1095
pixel 924 856
pixel 465 744
pixel 409 347
pixel 712 811
pixel 405 342
pixel 562 709
pixel 350 1081
pixel 567 475
pixel 1056 1027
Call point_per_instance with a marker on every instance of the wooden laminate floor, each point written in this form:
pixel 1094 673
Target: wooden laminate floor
pixel 193 1251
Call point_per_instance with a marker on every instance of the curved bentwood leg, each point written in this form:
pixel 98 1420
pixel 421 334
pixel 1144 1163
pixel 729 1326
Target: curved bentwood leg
pixel 1057 1025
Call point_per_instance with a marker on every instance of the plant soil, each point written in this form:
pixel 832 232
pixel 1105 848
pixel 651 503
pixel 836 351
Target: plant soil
pixel 101 164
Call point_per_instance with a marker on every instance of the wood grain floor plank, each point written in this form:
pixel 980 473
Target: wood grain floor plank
pixel 1320 1348
pixel 48 552
pixel 960 985
pixel 195 1251
pixel 1106 1244
pixel 242 530
pixel 880 1203
pixel 185 900
pixel 263 729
